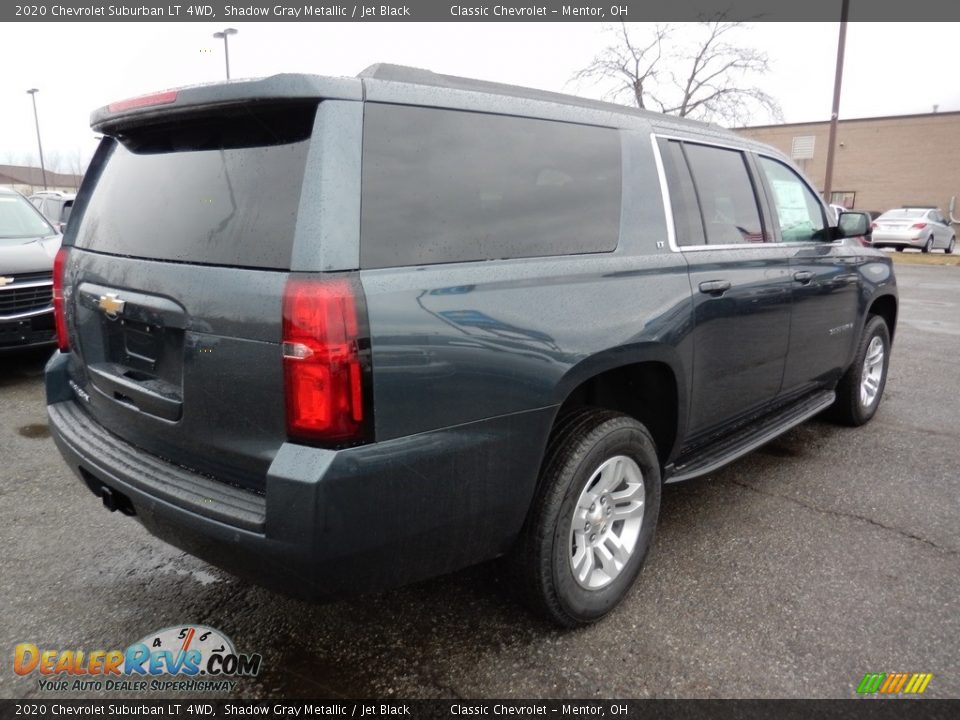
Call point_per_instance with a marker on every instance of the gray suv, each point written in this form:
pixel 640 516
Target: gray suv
pixel 335 335
pixel 28 246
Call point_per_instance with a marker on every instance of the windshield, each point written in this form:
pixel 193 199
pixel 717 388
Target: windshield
pixel 18 219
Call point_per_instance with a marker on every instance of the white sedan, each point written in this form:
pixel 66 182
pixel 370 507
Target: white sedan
pixel 923 228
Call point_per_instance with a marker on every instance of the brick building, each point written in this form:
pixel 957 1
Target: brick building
pixel 29 180
pixel 880 162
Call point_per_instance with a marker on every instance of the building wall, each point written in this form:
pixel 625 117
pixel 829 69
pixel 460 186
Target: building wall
pixel 887 162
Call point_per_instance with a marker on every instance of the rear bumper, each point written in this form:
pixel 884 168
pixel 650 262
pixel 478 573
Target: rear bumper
pixel 331 522
pixel 898 240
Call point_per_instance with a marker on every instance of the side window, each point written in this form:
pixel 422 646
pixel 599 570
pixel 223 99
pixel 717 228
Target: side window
pixel 687 223
pixel 728 202
pixel 445 186
pixel 798 211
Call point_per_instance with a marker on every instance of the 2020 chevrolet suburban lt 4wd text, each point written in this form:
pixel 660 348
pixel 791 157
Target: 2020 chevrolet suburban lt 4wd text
pixel 336 335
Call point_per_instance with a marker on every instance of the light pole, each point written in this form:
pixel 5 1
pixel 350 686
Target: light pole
pixel 837 80
pixel 227 32
pixel 32 92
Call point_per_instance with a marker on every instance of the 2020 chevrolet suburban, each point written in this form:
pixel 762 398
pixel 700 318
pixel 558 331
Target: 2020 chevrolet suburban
pixel 335 335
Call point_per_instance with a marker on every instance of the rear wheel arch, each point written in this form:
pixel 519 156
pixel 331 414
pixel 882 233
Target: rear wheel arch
pixel 648 390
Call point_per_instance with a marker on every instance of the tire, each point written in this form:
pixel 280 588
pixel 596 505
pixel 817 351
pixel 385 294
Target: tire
pixel 855 405
pixel 950 246
pixel 899 248
pixel 928 246
pixel 589 449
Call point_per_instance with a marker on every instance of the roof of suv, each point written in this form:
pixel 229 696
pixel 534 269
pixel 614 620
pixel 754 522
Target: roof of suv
pixel 384 82
pixel 419 76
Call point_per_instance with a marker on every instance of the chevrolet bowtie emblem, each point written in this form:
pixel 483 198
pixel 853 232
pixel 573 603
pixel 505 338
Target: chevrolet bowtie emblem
pixel 111 305
pixel 5 281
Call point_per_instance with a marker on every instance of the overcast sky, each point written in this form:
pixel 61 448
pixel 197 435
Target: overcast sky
pixel 890 69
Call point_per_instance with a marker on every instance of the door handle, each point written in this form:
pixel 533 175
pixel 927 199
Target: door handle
pixel 715 287
pixel 803 276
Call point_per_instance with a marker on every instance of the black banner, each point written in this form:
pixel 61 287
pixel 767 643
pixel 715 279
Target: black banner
pixel 478 11
pixel 866 709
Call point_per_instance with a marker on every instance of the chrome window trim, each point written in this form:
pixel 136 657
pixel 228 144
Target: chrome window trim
pixel 668 206
pixel 664 194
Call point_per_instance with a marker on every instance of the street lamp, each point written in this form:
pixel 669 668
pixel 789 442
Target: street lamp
pixel 226 48
pixel 32 92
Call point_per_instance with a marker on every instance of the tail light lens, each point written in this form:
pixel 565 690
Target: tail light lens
pixel 326 360
pixel 59 315
pixel 873 226
pixel 918 226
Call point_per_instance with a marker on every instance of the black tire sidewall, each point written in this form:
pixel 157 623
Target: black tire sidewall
pixel 875 327
pixel 578 603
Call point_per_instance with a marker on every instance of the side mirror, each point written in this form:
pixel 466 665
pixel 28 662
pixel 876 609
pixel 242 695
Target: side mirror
pixel 854 224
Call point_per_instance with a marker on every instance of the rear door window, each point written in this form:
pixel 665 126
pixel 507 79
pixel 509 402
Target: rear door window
pixel 687 221
pixel 727 198
pixel 449 186
pixel 218 189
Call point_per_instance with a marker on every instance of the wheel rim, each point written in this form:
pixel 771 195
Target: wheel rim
pixel 872 373
pixel 606 522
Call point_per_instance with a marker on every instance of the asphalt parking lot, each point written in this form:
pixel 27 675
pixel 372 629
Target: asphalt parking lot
pixel 827 554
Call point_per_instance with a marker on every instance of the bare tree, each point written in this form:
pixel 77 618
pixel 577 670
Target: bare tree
pixel 77 164
pixel 696 71
pixel 632 67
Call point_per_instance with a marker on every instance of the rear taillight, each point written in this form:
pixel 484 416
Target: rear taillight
pixel 59 315
pixel 873 226
pixel 326 360
pixel 918 226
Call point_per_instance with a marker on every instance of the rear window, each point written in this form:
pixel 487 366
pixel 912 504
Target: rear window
pixel 449 186
pixel 903 214
pixel 218 189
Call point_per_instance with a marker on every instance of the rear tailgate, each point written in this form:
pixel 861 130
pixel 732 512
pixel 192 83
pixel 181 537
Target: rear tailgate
pixel 174 283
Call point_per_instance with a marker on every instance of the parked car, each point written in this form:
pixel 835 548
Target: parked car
pixel 382 328
pixel 56 206
pixel 923 228
pixel 838 210
pixel 28 245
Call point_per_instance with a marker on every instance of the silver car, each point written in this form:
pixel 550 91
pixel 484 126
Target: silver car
pixel 923 228
pixel 56 206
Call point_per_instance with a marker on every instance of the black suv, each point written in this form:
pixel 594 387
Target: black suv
pixel 28 247
pixel 336 335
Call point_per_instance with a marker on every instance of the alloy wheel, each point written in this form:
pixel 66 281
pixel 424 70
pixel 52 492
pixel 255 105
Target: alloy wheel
pixel 606 522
